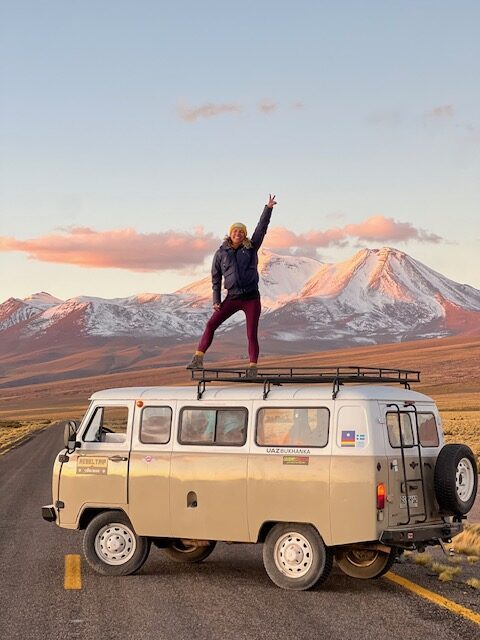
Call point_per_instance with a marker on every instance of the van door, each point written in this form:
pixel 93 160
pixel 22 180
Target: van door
pixel 208 475
pixel 96 473
pixel 149 471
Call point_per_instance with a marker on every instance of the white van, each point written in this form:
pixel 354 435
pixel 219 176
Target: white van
pixel 355 474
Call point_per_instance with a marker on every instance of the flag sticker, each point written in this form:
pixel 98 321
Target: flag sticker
pixel 348 438
pixel 360 440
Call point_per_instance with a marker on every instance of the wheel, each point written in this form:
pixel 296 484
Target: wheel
pixel 190 552
pixel 456 479
pixel 364 563
pixel 295 556
pixel 111 545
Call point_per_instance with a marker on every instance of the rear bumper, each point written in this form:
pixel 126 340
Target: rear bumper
pixel 48 513
pixel 409 536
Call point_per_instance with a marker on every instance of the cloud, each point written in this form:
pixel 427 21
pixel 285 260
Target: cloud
pixel 441 112
pixel 267 106
pixel 181 251
pixel 118 248
pixel 373 229
pixel 209 110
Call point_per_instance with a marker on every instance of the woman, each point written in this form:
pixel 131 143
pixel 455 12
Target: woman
pixel 236 261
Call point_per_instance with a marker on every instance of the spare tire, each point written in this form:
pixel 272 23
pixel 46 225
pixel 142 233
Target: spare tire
pixel 456 479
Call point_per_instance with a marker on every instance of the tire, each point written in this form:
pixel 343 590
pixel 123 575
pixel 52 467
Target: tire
pixel 295 556
pixel 112 547
pixel 456 479
pixel 364 563
pixel 189 553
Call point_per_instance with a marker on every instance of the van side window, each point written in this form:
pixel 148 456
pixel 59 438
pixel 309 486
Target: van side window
pixel 393 427
pixel 155 425
pixel 427 430
pixel 108 424
pixel 213 426
pixel 293 427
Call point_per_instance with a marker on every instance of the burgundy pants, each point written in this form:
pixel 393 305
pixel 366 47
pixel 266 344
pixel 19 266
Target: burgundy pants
pixel 251 308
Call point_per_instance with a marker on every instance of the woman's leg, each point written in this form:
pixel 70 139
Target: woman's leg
pixel 228 308
pixel 252 309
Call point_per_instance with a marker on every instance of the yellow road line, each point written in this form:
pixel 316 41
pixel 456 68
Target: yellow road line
pixel 434 597
pixel 73 577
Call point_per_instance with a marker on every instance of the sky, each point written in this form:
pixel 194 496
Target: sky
pixel 132 134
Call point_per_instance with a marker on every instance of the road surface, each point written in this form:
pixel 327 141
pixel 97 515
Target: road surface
pixel 229 596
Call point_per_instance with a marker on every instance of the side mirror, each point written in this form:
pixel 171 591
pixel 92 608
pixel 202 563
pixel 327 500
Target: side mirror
pixel 69 434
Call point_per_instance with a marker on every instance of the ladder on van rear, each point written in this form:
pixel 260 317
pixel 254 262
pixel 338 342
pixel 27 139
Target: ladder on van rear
pixel 422 516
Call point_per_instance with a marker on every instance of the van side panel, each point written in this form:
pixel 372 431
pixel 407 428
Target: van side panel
pixel 149 492
pixel 354 476
pixel 289 486
pixel 209 493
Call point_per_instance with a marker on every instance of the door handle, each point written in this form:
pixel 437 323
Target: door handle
pixel 118 459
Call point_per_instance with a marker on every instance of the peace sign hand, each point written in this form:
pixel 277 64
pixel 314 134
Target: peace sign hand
pixel 271 201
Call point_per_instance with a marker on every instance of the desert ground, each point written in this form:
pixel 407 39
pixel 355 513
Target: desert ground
pixel 450 373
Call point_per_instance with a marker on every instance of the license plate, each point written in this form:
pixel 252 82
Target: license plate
pixel 412 501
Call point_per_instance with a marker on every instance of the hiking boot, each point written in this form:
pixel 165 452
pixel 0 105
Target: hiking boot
pixel 196 363
pixel 252 371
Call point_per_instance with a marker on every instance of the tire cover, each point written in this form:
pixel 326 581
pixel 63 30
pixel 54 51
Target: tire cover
pixel 447 475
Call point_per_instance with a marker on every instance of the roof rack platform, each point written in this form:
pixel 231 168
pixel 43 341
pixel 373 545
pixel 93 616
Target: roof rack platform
pixel 304 375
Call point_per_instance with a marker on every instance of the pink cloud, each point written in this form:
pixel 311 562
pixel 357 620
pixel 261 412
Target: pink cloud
pixel 118 248
pixel 172 250
pixel 210 110
pixel 267 106
pixel 373 229
pixel 443 111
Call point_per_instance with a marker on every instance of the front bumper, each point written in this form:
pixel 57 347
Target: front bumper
pixel 410 536
pixel 49 513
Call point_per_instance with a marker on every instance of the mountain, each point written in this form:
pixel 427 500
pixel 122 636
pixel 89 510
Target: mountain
pixel 377 296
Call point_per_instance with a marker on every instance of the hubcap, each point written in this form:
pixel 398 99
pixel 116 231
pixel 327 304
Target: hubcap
pixel 465 479
pixel 115 544
pixel 293 555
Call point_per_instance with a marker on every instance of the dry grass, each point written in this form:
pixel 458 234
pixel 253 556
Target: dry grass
pixel 423 559
pixel 463 427
pixel 12 431
pixel 468 541
pixel 445 572
pixel 473 582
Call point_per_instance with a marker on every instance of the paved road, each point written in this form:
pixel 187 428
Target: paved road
pixel 227 597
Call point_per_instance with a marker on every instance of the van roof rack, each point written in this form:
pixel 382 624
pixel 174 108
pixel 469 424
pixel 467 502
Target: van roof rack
pixel 311 375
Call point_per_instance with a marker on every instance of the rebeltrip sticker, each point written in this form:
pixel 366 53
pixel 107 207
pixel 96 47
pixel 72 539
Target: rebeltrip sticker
pixel 92 465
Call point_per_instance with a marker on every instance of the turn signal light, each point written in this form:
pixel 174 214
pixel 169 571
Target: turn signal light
pixel 381 495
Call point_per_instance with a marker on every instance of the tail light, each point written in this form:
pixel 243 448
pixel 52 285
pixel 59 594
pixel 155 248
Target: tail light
pixel 380 495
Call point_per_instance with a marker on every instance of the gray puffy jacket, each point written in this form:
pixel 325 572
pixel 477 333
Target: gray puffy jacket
pixel 239 267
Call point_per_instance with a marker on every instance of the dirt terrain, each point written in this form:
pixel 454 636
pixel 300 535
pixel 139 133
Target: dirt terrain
pixel 450 373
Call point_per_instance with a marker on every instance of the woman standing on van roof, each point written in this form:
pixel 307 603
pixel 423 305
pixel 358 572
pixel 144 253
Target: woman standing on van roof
pixel 236 261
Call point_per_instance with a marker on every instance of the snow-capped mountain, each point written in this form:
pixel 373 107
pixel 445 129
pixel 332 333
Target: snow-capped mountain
pixel 379 295
pixel 14 311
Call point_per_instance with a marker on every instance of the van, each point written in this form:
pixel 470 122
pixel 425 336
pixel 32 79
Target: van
pixel 317 464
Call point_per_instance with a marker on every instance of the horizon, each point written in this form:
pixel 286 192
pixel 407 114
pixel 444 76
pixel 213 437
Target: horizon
pixel 205 276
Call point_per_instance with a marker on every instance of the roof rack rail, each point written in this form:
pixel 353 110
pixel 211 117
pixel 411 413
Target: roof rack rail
pixel 312 375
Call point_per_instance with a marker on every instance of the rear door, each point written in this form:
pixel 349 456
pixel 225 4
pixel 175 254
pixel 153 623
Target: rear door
pixel 411 463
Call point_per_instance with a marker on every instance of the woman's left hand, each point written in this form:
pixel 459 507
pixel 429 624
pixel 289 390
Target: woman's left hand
pixel 271 201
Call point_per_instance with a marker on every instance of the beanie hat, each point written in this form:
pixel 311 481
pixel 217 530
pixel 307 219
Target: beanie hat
pixel 238 225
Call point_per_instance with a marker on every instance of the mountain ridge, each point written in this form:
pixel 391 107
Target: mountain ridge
pixel 376 296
